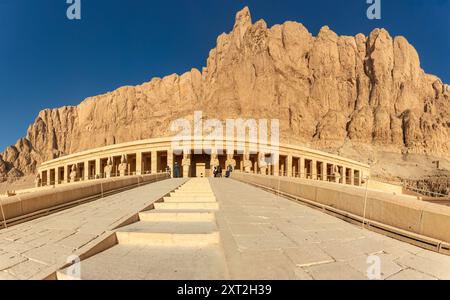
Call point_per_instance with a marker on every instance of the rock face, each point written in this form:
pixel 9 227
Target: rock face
pixel 330 92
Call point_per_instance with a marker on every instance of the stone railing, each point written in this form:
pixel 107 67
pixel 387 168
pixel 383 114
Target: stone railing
pixel 402 217
pixel 28 206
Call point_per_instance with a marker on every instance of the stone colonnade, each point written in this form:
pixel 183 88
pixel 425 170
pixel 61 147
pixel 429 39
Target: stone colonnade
pixel 117 161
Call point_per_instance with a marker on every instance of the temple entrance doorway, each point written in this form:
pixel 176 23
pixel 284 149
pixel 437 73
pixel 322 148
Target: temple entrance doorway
pixel 200 165
pixel 200 170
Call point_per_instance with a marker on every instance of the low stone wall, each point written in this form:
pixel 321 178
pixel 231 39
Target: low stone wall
pixel 387 187
pixel 27 205
pixel 398 211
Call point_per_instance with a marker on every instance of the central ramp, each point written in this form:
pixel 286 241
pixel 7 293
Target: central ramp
pixel 179 239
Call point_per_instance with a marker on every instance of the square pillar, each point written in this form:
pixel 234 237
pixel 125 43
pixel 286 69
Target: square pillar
pixel 314 169
pixel 324 171
pixel 301 168
pixel 170 161
pixel 139 163
pixel 97 168
pixel 56 176
pixel 154 164
pixel 289 165
pixel 186 165
pixel 276 167
pixel 86 170
pixel 344 175
pixel 66 173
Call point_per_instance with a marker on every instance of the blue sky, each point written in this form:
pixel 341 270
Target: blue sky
pixel 47 61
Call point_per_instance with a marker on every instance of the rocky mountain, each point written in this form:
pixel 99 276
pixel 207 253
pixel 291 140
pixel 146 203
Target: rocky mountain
pixel 353 95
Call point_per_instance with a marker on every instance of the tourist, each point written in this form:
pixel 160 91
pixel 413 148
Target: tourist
pixel 229 171
pixel 176 171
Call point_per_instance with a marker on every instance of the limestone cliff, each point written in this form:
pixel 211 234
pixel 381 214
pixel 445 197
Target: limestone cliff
pixel 337 93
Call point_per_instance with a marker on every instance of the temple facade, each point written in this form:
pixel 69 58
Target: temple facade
pixel 158 155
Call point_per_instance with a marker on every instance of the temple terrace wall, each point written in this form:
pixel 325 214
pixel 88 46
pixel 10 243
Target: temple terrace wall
pixel 157 155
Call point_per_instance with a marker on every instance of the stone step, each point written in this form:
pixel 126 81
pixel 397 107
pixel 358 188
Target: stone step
pixel 125 262
pixel 171 227
pixel 209 194
pixel 177 216
pixel 194 191
pixel 187 206
pixel 183 199
pixel 169 233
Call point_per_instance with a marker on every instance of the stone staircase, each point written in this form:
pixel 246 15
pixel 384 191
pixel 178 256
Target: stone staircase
pixel 179 239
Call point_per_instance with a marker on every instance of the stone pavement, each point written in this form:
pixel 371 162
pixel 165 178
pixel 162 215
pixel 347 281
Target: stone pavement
pixel 210 229
pixel 35 249
pixel 269 237
pixel 179 239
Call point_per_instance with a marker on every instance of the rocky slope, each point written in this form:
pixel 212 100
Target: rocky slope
pixel 356 96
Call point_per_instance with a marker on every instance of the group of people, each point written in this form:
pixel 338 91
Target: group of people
pixel 217 171
pixel 176 170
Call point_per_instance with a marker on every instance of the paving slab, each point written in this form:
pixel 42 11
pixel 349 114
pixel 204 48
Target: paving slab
pixel 335 271
pixel 50 240
pixel 306 242
pixel 259 235
pixel 410 274
pixel 174 244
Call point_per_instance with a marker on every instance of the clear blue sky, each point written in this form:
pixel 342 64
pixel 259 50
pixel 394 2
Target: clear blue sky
pixel 47 61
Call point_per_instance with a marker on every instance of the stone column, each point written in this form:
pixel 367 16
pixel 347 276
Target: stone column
pixel 56 176
pixel 289 165
pixel 324 171
pixel 276 167
pixel 186 165
pixel 86 170
pixel 170 161
pixel 139 163
pixel 360 178
pixel 314 169
pixel 352 177
pixel 344 175
pixel 66 173
pixel 301 168
pixel 97 168
pixel 154 166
